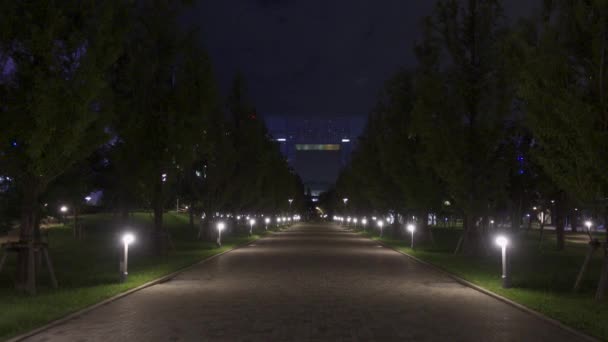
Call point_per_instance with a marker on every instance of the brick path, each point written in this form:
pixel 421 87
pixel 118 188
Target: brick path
pixel 312 283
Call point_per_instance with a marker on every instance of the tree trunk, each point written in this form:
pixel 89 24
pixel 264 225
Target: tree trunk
pixel 426 234
pixel 471 240
pixel 191 216
pixel 559 226
pixel 77 226
pixel 574 221
pixel 541 227
pixel 25 277
pixel 159 235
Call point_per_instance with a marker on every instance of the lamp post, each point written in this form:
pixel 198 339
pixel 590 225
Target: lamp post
pixel 220 227
pixel 64 211
pixel 267 221
pixel 345 200
pixel 411 228
pixel 380 224
pixel 127 239
pixel 589 224
pixel 290 201
pixel 355 222
pixel 364 222
pixel 503 242
pixel 251 223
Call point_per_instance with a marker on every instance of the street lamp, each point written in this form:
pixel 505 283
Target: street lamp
pixel 355 222
pixel 290 201
pixel 64 211
pixel 411 228
pixel 267 221
pixel 127 239
pixel 589 224
pixel 220 227
pixel 503 242
pixel 380 224
pixel 364 222
pixel 251 223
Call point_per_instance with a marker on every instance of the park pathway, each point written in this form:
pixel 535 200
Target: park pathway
pixel 310 283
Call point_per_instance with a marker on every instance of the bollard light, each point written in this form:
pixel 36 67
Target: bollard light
pixel 380 224
pixel 411 228
pixel 588 224
pixel 127 239
pixel 364 222
pixel 267 221
pixel 503 243
pixel 251 224
pixel 220 227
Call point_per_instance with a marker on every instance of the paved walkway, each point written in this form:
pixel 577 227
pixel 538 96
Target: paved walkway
pixel 311 283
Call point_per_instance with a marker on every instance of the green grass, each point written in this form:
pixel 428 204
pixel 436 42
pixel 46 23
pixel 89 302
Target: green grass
pixel 542 278
pixel 87 270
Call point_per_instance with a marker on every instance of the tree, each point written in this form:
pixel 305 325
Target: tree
pixel 562 84
pixel 403 156
pixel 54 111
pixel 165 93
pixel 462 106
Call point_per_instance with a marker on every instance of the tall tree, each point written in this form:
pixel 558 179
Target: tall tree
pixel 55 57
pixel 164 93
pixel 563 86
pixel 462 103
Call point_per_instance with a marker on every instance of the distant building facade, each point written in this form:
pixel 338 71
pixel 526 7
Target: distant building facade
pixel 317 148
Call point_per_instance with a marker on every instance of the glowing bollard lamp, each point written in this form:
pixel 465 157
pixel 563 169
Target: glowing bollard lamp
pixel 364 223
pixel 127 239
pixel 220 227
pixel 267 221
pixel 251 224
pixel 503 243
pixel 381 225
pixel 411 228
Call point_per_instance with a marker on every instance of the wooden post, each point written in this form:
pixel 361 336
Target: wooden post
pixel 4 256
pixel 593 246
pixel 49 265
pixel 31 269
pixel 601 288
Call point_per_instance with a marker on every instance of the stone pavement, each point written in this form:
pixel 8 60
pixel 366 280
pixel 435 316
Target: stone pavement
pixel 311 283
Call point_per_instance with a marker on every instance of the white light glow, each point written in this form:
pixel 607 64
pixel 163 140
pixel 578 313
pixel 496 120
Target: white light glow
pixel 502 241
pixel 128 238
pixel 221 226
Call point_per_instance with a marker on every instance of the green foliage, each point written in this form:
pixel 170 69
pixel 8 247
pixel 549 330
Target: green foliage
pixel 563 87
pixel 463 102
pixel 53 101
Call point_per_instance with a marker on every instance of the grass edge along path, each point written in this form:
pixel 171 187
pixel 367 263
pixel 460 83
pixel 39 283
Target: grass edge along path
pixel 107 293
pixel 519 298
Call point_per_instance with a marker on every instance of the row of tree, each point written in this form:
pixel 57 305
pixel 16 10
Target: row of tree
pixel 496 118
pixel 118 96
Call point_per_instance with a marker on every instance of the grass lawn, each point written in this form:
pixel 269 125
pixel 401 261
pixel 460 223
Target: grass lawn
pixel 87 270
pixel 542 278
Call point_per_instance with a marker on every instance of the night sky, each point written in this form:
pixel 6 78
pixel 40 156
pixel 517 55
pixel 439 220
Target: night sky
pixel 315 57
